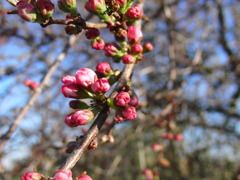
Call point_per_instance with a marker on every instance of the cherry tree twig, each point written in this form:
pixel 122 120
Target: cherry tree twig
pixel 83 144
pixel 5 137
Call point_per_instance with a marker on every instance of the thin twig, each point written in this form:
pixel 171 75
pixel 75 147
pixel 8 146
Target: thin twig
pixel 4 138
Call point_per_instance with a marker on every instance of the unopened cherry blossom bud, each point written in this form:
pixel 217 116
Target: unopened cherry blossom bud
pixel 86 77
pixel 136 48
pixel 167 135
pixel 122 99
pixel 178 137
pixel 119 118
pixel 164 162
pixel 68 79
pixel 100 86
pixel 33 85
pixel 45 7
pixel 27 82
pixel 148 173
pixel 68 120
pixel 134 12
pixel 111 49
pixel 31 176
pixel 147 47
pixel 62 175
pixel 70 90
pixel 96 6
pixel 128 59
pixel 133 101
pixel 26 11
pixel 82 117
pixel 84 176
pixel 157 147
pixel 92 33
pixel 98 43
pixel 104 68
pixel 129 113
pixel 68 6
pixel 134 34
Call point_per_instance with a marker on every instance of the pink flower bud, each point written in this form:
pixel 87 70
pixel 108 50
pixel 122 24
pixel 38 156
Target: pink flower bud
pixel 45 7
pixel 68 121
pixel 121 2
pixel 70 90
pixel 92 33
pixel 133 101
pixel 129 113
pixel 128 59
pixel 68 6
pixel 119 118
pixel 122 99
pixel 27 82
pixel 84 177
pixel 81 117
pixel 157 147
pixel 167 135
pixel 134 12
pixel 111 49
pixel 134 34
pixel 26 11
pixel 136 48
pixel 33 85
pixel 104 68
pixel 147 47
pixel 31 176
pixel 100 86
pixel 68 79
pixel 85 77
pixel 62 175
pixel 96 6
pixel 98 43
pixel 178 137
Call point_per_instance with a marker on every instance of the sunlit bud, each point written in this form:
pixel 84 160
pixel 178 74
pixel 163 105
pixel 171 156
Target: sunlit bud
pixel 134 34
pixel 86 77
pixel 31 176
pixel 82 117
pixel 68 121
pixel 136 48
pixel 96 6
pixel 157 147
pixel 98 43
pixel 68 6
pixel 129 113
pixel 45 7
pixel 33 85
pixel 100 86
pixel 104 68
pixel 93 144
pixel 178 137
pixel 68 79
pixel 84 176
pixel 134 12
pixel 111 49
pixel 128 59
pixel 70 90
pixel 26 11
pixel 27 82
pixel 92 33
pixel 147 47
pixel 62 175
pixel 122 99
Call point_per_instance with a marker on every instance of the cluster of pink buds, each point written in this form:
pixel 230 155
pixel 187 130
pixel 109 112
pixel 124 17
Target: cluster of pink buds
pixel 35 11
pixel 171 136
pixel 31 84
pixel 87 84
pixel 124 104
pixel 129 49
pixel 97 42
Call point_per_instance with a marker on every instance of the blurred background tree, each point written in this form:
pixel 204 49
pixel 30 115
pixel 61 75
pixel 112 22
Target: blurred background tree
pixel 189 84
